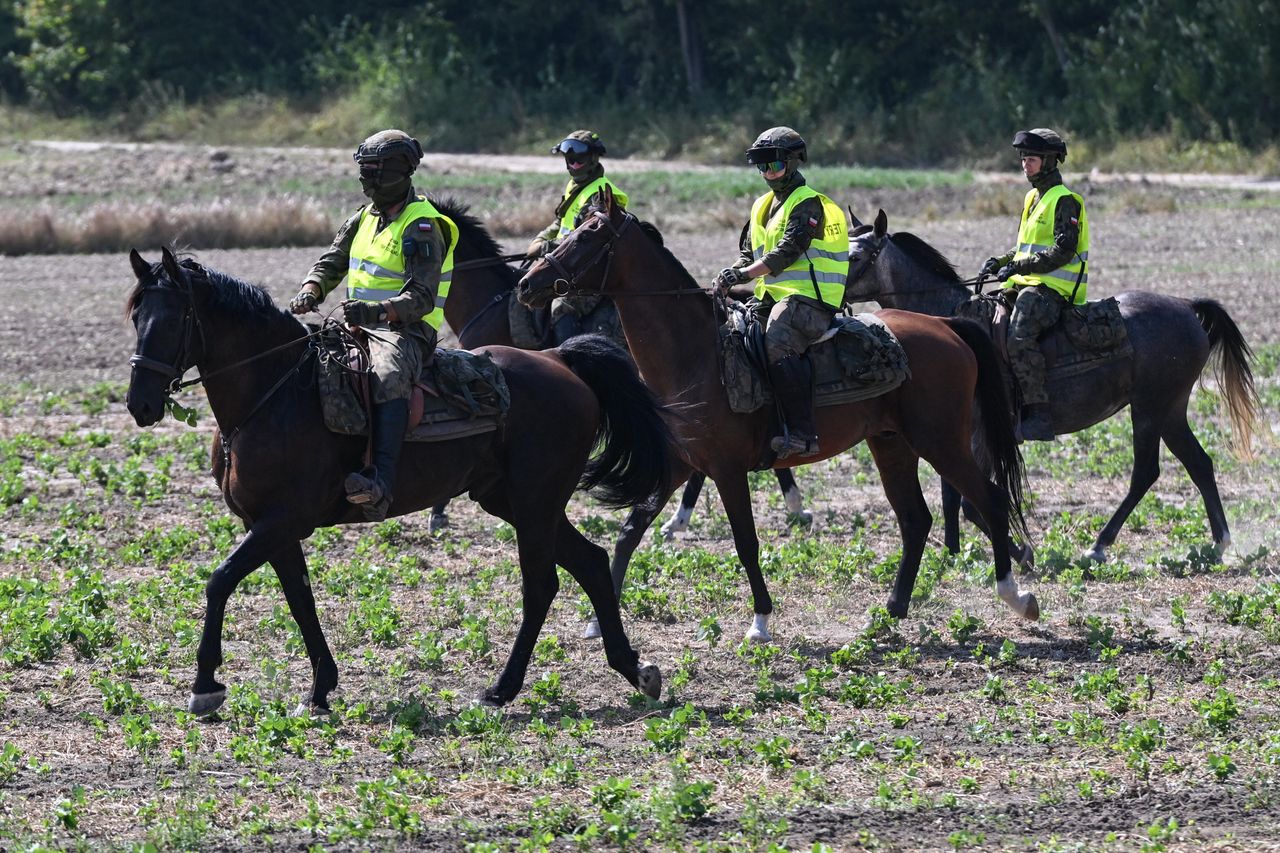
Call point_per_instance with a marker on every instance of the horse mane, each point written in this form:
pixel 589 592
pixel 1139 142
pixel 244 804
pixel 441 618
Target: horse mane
pixel 469 225
pixel 925 255
pixel 225 291
pixel 651 231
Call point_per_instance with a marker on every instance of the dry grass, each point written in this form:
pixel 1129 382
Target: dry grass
pixel 115 227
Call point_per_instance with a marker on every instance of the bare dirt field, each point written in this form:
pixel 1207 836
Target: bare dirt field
pixel 1140 713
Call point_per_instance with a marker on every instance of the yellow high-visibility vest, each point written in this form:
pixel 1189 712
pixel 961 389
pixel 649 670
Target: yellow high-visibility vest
pixel 571 215
pixel 824 267
pixel 1035 234
pixel 375 270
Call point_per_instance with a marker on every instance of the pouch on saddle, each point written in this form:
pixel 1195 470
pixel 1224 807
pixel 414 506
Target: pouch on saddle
pixel 461 394
pixel 1087 336
pixel 858 358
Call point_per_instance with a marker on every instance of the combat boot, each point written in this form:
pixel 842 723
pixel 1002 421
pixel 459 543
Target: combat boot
pixel 370 488
pixel 1037 424
pixel 792 379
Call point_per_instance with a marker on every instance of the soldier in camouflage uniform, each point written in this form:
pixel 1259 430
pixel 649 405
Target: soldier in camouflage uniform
pixel 581 312
pixel 393 252
pixel 1045 272
pixel 796 247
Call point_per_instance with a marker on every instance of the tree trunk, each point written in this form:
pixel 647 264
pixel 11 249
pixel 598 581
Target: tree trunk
pixel 690 45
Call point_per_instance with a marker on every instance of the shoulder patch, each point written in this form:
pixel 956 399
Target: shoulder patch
pixel 813 223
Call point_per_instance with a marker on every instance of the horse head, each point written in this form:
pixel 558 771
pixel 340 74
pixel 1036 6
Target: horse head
pixel 164 312
pixel 580 263
pixel 866 242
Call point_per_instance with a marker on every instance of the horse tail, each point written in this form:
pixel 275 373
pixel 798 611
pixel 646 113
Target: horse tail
pixel 633 466
pixel 996 437
pixel 1232 358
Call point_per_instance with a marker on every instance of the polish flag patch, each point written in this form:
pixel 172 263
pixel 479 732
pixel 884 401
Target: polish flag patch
pixel 424 226
pixel 813 223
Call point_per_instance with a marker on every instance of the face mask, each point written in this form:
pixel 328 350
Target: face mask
pixel 386 190
pixel 779 184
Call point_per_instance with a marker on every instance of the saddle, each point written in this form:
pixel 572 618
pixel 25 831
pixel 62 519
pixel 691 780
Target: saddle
pixel 857 358
pixel 460 394
pixel 1085 338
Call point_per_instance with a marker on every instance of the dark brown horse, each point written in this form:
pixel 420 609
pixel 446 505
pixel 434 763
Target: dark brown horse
pixel 1173 339
pixel 476 310
pixel 670 324
pixel 281 471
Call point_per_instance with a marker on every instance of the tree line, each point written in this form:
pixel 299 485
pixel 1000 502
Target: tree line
pixel 914 80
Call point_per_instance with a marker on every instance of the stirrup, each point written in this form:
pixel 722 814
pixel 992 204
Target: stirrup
pixel 790 444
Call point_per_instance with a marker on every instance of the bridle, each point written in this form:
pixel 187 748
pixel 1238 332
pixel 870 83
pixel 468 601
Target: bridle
pixel 567 281
pixel 175 371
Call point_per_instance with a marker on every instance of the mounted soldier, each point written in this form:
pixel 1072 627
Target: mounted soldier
pixel 1046 272
pixel 397 255
pixel 582 150
pixel 795 247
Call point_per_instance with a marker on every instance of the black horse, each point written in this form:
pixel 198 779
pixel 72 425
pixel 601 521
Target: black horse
pixel 281 471
pixel 477 312
pixel 1173 339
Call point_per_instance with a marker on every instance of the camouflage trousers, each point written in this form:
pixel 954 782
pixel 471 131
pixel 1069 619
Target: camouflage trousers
pixel 1037 310
pixel 397 360
pixel 794 324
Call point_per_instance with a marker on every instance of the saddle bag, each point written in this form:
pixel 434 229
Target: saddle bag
pixel 1095 325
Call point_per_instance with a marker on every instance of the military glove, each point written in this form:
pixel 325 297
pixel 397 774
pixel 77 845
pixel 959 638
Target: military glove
pixel 305 302
pixel 537 248
pixel 1005 271
pixel 357 312
pixel 989 267
pixel 728 277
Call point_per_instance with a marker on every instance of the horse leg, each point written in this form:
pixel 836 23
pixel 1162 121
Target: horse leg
pixel 588 563
pixel 735 494
pixel 1146 469
pixel 952 504
pixel 898 464
pixel 291 568
pixel 539 585
pixel 261 543
pixel 439 517
pixel 797 515
pixel 679 522
pixel 950 517
pixel 1182 442
pixel 633 529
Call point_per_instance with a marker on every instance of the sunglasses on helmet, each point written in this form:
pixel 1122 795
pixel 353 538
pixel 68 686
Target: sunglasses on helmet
pixel 573 146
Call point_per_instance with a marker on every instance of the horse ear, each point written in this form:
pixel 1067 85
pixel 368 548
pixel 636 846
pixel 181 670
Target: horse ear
pixel 881 224
pixel 141 268
pixel 171 265
pixel 608 199
pixel 854 221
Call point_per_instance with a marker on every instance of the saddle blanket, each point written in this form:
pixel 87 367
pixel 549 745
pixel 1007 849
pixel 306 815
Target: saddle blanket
pixel 461 394
pixel 858 358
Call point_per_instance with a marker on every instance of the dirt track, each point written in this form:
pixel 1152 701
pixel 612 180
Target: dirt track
pixel 1015 769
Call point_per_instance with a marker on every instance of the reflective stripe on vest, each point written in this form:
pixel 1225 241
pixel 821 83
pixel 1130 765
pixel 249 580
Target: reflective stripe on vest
pixel 1035 234
pixel 825 262
pixel 375 269
pixel 571 215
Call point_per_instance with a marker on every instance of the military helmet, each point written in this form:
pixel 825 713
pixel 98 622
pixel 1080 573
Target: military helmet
pixel 390 149
pixel 580 142
pixel 778 143
pixel 1041 140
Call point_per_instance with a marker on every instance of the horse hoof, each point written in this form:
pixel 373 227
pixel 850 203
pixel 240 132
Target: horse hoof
pixel 649 679
pixel 1031 608
pixel 307 708
pixel 489 699
pixel 671 528
pixel 592 630
pixel 759 630
pixel 204 704
pixel 439 521
pixel 1096 554
pixel 800 518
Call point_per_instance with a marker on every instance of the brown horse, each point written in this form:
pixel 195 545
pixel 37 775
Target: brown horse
pixel 476 310
pixel 670 326
pixel 1173 341
pixel 281 471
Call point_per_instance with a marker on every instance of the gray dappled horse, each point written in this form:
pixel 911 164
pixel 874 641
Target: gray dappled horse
pixel 1173 339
